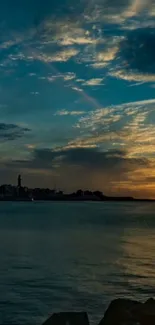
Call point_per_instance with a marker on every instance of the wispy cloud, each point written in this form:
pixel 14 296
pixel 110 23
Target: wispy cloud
pixel 136 7
pixel 60 40
pixel 94 82
pixel 66 33
pixel 99 65
pixel 68 76
pixel 10 132
pixel 32 74
pixel 132 76
pixel 77 89
pixel 125 125
pixel 117 12
pixel 72 113
pixel 60 56
pixel 107 55
pixel 35 93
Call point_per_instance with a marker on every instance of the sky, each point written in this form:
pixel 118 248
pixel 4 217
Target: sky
pixel 77 95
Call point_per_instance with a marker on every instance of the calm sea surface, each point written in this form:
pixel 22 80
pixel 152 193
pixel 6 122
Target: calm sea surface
pixel 73 256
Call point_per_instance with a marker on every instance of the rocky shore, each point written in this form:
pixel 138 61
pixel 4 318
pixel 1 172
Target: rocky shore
pixel 120 312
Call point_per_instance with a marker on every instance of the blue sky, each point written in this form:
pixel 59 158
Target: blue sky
pixel 77 94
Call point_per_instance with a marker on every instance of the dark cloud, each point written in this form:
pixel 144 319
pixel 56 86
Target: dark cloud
pixel 19 14
pixel 11 131
pixel 112 5
pixel 93 158
pixel 32 13
pixel 111 160
pixel 138 50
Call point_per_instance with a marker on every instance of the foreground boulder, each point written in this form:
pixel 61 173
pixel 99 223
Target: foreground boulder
pixel 68 319
pixel 130 312
pixel 120 312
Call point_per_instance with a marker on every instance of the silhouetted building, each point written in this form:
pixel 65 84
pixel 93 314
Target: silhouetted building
pixel 79 193
pixel 19 181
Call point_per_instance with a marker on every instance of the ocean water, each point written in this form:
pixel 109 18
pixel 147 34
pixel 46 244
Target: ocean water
pixel 73 257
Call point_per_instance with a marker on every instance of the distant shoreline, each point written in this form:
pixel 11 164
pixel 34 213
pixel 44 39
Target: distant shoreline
pixel 19 193
pixel 75 199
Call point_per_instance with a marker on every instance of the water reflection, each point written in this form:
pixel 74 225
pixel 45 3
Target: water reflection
pixel 138 261
pixel 57 257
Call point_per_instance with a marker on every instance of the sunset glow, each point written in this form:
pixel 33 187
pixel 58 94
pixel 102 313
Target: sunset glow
pixel 77 95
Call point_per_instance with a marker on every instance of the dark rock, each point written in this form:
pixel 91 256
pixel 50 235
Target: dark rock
pixel 69 318
pixel 150 305
pixel 146 314
pixel 130 312
pixel 119 312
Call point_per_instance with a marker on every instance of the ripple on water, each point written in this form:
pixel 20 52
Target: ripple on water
pixel 56 258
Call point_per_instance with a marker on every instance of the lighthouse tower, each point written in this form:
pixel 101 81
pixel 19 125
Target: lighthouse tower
pixel 19 181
